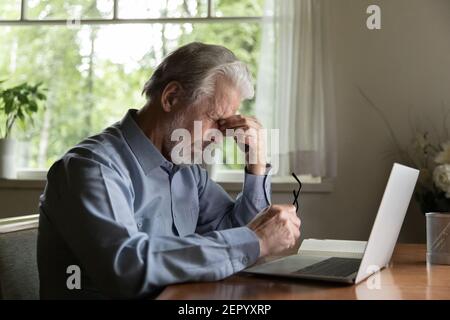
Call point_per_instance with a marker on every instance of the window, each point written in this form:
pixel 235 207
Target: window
pixel 94 57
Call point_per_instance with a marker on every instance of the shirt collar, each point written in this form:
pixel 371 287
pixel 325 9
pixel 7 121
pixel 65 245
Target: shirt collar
pixel 148 156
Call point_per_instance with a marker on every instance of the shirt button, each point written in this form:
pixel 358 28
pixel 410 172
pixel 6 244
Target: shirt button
pixel 139 225
pixel 244 260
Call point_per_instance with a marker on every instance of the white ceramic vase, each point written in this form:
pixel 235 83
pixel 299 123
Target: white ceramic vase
pixel 7 159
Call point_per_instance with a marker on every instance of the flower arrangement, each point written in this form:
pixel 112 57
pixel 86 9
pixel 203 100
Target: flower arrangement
pixel 431 155
pixel 433 160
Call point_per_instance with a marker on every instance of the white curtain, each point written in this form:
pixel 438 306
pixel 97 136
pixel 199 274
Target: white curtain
pixel 294 88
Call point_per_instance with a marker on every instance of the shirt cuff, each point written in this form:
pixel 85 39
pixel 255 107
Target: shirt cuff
pixel 244 247
pixel 258 189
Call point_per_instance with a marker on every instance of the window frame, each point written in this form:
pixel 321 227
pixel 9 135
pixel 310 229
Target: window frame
pixel 32 180
pixel 209 18
pixel 229 177
pixel 38 173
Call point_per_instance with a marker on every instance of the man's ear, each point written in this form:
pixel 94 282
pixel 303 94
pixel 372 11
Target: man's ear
pixel 171 95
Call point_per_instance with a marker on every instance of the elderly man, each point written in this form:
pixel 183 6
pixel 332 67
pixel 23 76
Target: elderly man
pixel 118 213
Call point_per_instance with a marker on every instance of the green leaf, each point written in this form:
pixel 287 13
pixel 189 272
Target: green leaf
pixel 33 106
pixel 8 104
pixel 21 86
pixel 21 116
pixel 41 96
pixel 23 98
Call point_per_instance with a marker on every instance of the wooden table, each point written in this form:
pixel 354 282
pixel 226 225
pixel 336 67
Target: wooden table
pixel 408 277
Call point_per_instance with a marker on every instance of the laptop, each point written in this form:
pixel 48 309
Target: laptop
pixel 349 267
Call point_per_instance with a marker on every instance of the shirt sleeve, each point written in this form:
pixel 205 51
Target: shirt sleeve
pixel 95 218
pixel 218 211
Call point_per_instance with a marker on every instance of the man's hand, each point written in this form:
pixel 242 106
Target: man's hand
pixel 277 227
pixel 250 139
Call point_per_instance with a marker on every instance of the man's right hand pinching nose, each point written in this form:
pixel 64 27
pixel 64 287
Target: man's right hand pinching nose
pixel 277 227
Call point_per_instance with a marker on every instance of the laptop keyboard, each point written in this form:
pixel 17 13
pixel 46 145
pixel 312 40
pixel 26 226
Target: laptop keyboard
pixel 333 267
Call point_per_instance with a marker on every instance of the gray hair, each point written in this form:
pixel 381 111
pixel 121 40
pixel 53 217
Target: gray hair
pixel 196 67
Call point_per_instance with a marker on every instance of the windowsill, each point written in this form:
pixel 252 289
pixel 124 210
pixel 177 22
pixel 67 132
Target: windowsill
pixel 231 181
pixel 282 185
pixel 26 179
pixel 37 184
pixel 35 180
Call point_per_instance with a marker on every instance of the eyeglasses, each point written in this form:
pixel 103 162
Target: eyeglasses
pixel 296 193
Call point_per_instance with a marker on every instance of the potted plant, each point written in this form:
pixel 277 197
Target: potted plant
pixel 17 105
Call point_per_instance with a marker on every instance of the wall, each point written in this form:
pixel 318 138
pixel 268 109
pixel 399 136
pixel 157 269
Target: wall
pixel 405 66
pixel 19 199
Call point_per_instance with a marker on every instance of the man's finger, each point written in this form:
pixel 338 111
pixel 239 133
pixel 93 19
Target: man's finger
pixel 231 121
pixel 296 221
pixel 235 122
pixel 236 125
pixel 290 208
pixel 238 130
pixel 295 235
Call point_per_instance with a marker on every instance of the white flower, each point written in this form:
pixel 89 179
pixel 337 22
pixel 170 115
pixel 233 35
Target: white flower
pixel 443 157
pixel 441 178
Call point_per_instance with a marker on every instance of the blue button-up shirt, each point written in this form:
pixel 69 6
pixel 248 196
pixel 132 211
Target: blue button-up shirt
pixel 133 222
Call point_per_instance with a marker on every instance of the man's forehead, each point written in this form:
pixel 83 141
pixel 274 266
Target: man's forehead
pixel 224 110
pixel 228 111
pixel 229 104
